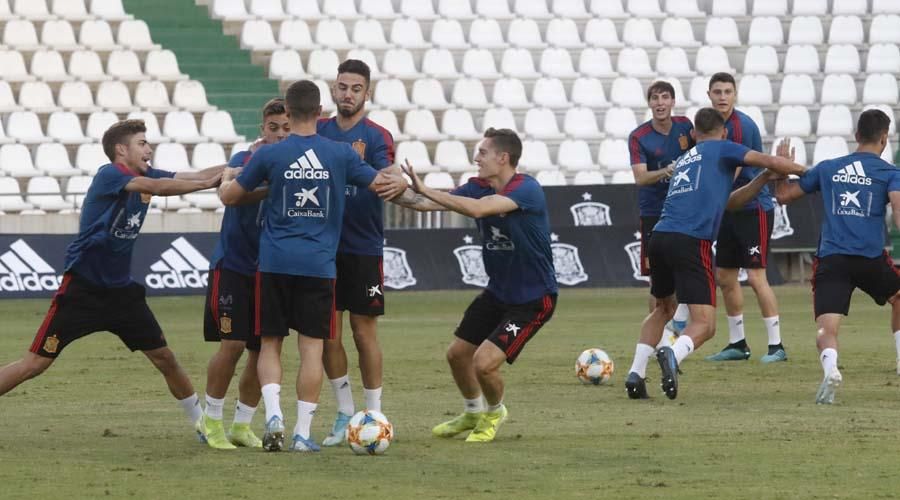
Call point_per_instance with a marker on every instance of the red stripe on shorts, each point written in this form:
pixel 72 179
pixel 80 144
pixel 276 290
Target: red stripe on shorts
pixel 890 263
pixel 42 331
pixel 546 307
pixel 706 259
pixel 763 235
pixel 214 297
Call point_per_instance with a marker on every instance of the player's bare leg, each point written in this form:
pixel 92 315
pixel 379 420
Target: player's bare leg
pixel 827 344
pixel 31 365
pixel 335 360
pixel 179 385
pixel 895 325
pixel 268 367
pixel 460 357
pixel 309 385
pixel 487 362
pixel 651 333
pixel 371 364
pixel 737 348
pixel 768 306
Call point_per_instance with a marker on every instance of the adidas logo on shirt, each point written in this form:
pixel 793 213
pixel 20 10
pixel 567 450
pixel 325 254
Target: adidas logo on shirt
pixel 852 174
pixel 307 166
pixel 23 270
pixel 181 266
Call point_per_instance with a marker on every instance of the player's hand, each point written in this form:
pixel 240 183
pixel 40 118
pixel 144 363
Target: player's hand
pixel 417 184
pixel 669 170
pixel 229 174
pixel 212 181
pixel 784 149
pixel 389 186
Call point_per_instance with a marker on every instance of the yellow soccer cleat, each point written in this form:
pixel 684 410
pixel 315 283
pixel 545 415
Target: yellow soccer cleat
pixel 215 434
pixel 461 423
pixel 487 427
pixel 241 435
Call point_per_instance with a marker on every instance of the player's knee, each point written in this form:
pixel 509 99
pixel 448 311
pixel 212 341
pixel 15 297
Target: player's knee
pixel 232 350
pixel 456 355
pixel 757 279
pixel 484 366
pixel 163 359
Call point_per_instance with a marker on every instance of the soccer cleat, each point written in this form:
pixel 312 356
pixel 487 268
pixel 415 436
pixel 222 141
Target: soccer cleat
pixel 461 423
pixel 198 428
pixel 775 356
pixel 635 386
pixel 731 353
pixel 669 367
pixel 215 434
pixel 338 431
pixel 825 394
pixel 273 439
pixel 242 435
pixel 304 445
pixel 487 427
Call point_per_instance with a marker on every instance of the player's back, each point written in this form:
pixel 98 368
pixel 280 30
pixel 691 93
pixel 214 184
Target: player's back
pixel 238 245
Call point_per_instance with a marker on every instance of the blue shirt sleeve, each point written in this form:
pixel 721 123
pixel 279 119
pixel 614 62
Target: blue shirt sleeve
pixel 894 183
pixel 528 195
pixel 635 151
pixel 110 181
pixel 383 153
pixel 755 138
pixel 359 173
pixel 239 159
pixel 256 171
pixel 809 181
pixel 470 189
pixel 733 153
pixel 155 173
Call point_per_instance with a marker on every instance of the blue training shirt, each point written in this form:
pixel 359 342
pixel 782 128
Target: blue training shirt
pixel 307 176
pixel 854 192
pixel 699 189
pixel 110 221
pixel 363 231
pixel 656 150
pixel 516 245
pixel 238 246
pixel 743 130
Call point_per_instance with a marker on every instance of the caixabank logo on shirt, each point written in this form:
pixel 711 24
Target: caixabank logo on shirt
pixel 309 201
pixel 23 270
pixel 180 266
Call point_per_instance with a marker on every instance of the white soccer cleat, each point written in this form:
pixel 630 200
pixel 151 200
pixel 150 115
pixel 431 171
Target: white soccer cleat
pixel 825 395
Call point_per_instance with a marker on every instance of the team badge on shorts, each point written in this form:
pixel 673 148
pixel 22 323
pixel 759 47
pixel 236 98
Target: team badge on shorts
pixel 51 344
pixel 225 325
pixel 683 142
pixel 360 147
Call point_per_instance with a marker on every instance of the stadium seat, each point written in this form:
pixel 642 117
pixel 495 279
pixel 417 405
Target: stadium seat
pixel 888 111
pixel 135 35
pixel 639 32
pixel 417 154
pixel 580 123
pixel 417 9
pixel 52 159
pixel 834 120
pixel 608 9
pixel 37 97
pixel 452 156
pixel 842 59
pixel 85 65
pixel 8 102
pixel 124 65
pixel 191 95
pixel 97 35
pixel 589 92
pixel 755 114
pixel 575 155
pixel 551 178
pixel 568 9
pixel 162 65
pixel 340 9
pixel 64 127
pixel 439 63
pixel 622 177
pixel 535 156
pixel 154 136
pixel 421 125
pixel 557 63
pixel 805 30
pixel 619 122
pixel 769 8
pixel 368 57
pixel 303 9
pixel 518 63
pixel 458 124
pixel 202 200
pixel 323 63
pixel 76 97
pixel 563 33
pixel 331 33
pixel 673 61
pixel 499 118
pixel 48 66
pixel 181 127
pixel 439 180
pixel 217 125
pixel 58 34
pixel 878 89
pixel 257 35
pixel 595 62
pixel 549 93
pixel 712 60
pixel 448 34
pixel 294 33
pixel 153 96
pixel 208 154
pixel 827 148
pixel 20 34
pixel 76 188
pixel 232 10
pixel 391 93
pixel 680 97
pixel 722 31
pixel 531 9
pixel 683 8
pixel 454 9
pixel 761 60
pixel 882 58
pixel 270 10
pixel 797 89
pixel 765 31
pixel 510 93
pixel 884 29
pixel 486 34
pixel 810 7
pixel 15 160
pixel 11 196
pixel 755 90
pixel 643 8
pixel 479 63
pixel 601 33
pixel 44 193
pixel 493 9
pixel 588 178
pixel 846 29
pixel 699 89
pixel 799 149
pixel 728 8
pixel 469 93
pixel 73 10
pixel 793 121
pixel 524 33
pixel 838 89
pixel 90 157
pixel 428 93
pixel 850 7
pixel 387 119
pixel 35 10
pixel 627 92
pixel 114 96
pixel 677 32
pixel 634 61
pixel 801 59
pixel 399 63
pixel 98 122
pixel 885 6
pixel 368 33
pixel 13 65
pixel 171 156
pixel 407 33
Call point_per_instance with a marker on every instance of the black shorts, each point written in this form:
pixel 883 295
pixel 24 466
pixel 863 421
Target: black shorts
pixel 230 308
pixel 836 276
pixel 647 224
pixel 507 326
pixel 360 284
pixel 80 308
pixel 302 303
pixel 682 265
pixel 744 239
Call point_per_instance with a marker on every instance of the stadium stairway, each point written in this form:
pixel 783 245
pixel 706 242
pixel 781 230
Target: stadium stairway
pixel 231 81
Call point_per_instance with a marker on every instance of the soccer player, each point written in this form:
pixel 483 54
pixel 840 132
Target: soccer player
pixel 307 175
pixel 681 246
pixel 743 240
pixel 359 288
pixel 228 316
pixel 855 189
pixel 654 146
pixel 511 214
pixel 97 292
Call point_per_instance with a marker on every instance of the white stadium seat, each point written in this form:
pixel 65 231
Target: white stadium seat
pixel 850 7
pixel 153 96
pixel 611 9
pixel 765 31
pixel 622 177
pixel 208 154
pixel 439 180
pixel 124 65
pixel 799 149
pixel 77 97
pixel 73 10
pixel 806 30
pixel 368 57
pixel 458 124
pixel 428 93
pixel 20 34
pixel 181 127
pixel 846 29
pixel 550 93
pixel 883 58
pixel 525 33
pixel 479 63
pixel 452 156
pixel 673 61
pixel 581 123
pixel 44 193
pixel 588 178
pixel 589 92
pixel 417 154
pixel 575 155
pixel 797 89
pixel 331 33
pixel 880 89
pixel 762 60
pixel 619 122
pixel 270 10
pixel 627 92
pixel 838 89
pixel 683 8
pixel 535 156
pixel 98 122
pixel 232 10
pixel 722 31
pixel 613 154
pixel 493 9
pixel 755 114
pixel 15 161
pixel 368 33
pixel 154 135
pixel 340 9
pixel 408 34
pixel 454 9
pixel 569 9
pixel 801 59
pixel 135 35
pixel 387 119
pixel 190 95
pixel 643 8
pixel 420 124
pixel 217 125
pixel 557 63
pixel 884 29
pixel 294 33
pixel 11 196
pixel 90 157
pixel 85 65
pixel 769 8
pixel 563 33
pixel 37 97
pixel 639 32
pixel 325 95
pixel 172 157
pixel 13 65
pixel 712 60
pixel 31 9
pixel 601 33
pixel 518 63
pixel 322 63
pixel 401 64
pixel 634 61
pixel 303 9
pixel 439 63
pixel 531 9
pixel 448 34
pixel 8 102
pixel 114 96
pixel 257 35
pixel 498 118
pixel 469 93
pixel 97 35
pixel 885 6
pixel 827 148
pixel 678 32
pixel 834 120
pixel 486 34
pixel 728 8
pixel 417 9
pixel 551 178
pixel 755 90
pixel 76 189
pixel 810 7
pixel 48 66
pixel 595 62
pixel 842 59
pixel 64 127
pixel 52 159
pixel 162 65
pixel 391 93
pixel 793 120
pixel 58 34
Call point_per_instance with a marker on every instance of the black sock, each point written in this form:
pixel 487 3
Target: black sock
pixel 740 344
pixel 774 348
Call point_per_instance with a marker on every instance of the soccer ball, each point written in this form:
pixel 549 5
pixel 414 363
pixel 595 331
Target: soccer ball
pixel 369 433
pixel 594 366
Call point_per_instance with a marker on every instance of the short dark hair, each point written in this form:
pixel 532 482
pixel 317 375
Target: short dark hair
pixel 708 120
pixel 302 100
pixel 660 86
pixel 357 67
pixel 506 141
pixel 120 133
pixel 722 77
pixel 871 125
pixel 273 107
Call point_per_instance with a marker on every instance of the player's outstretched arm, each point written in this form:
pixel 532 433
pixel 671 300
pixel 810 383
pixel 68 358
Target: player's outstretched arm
pixel 418 202
pixel 482 207
pixel 782 164
pixel 170 186
pixel 388 185
pixel 741 196
pixel 644 177
pixel 200 175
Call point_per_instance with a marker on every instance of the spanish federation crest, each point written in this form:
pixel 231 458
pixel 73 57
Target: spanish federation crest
pixel 397 273
pixel 360 147
pixel 782 226
pixel 566 262
pixel 471 264
pixel 590 213
pixel 225 325
pixel 634 256
pixel 51 344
